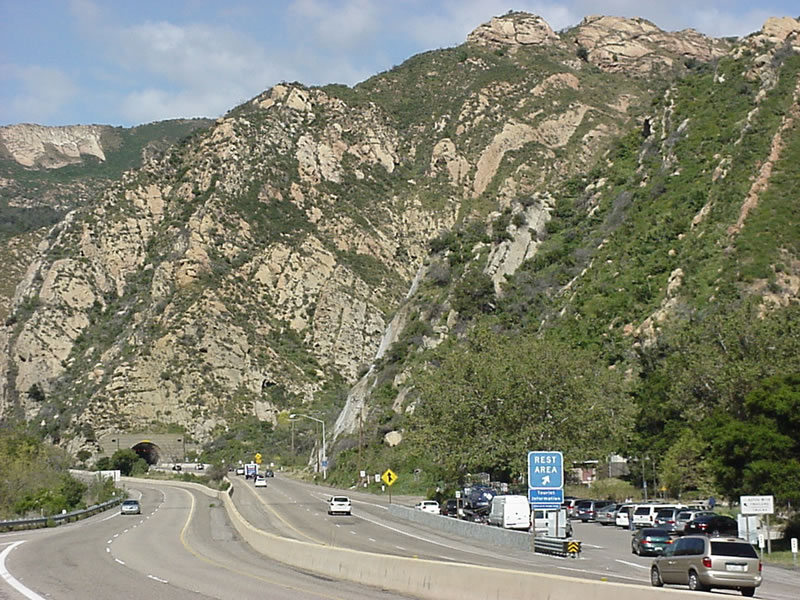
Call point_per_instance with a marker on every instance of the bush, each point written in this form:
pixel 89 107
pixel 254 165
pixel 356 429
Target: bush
pixel 792 529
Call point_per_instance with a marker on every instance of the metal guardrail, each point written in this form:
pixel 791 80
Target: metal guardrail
pixel 558 546
pixel 58 519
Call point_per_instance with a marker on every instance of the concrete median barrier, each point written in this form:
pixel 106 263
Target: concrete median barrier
pixel 430 580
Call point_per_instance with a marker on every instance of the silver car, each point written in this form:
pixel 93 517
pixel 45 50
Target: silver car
pixel 130 507
pixel 704 563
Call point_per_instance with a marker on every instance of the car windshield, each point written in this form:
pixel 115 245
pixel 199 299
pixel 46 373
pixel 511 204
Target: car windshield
pixel 738 549
pixel 131 502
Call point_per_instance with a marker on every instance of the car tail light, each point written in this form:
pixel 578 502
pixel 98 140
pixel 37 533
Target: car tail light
pixel 759 566
pixel 707 562
pixel 702 526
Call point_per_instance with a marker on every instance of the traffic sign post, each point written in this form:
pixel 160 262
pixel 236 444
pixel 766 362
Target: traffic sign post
pixel 545 483
pixel 759 505
pixel 389 477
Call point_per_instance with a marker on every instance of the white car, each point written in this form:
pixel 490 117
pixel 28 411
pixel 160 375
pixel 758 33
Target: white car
pixel 339 505
pixel 431 506
pixel 261 481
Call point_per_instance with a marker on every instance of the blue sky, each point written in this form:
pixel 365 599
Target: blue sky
pixel 127 62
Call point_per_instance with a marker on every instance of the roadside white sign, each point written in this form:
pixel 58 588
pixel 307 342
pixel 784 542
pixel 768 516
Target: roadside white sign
pixel 794 545
pixel 757 505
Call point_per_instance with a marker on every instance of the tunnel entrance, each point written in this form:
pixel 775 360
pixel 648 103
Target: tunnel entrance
pixel 148 451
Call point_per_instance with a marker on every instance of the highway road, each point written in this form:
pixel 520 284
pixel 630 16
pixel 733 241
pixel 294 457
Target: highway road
pixel 299 510
pixel 183 546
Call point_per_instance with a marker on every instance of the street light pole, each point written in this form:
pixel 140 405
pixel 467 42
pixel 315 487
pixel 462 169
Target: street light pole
pixel 324 450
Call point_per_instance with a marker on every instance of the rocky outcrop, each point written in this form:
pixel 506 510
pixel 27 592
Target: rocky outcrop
pixel 513 30
pixel 637 46
pixel 52 147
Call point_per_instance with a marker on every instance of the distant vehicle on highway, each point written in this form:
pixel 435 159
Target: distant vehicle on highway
pixel 649 540
pixel 200 466
pixel 339 505
pixel 687 515
pixel 261 481
pixel 240 470
pixel 712 525
pixel 176 467
pixel 269 473
pixel 431 506
pixel 449 508
pixel 704 563
pixel 607 515
pixel 130 507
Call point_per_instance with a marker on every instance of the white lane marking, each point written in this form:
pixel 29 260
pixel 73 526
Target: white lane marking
pixel 124 531
pixel 399 547
pixel 158 579
pixel 372 540
pixel 625 562
pixel 116 535
pixel 122 562
pixel 13 581
pixel 109 541
pixel 108 549
pixel 116 514
pixel 447 558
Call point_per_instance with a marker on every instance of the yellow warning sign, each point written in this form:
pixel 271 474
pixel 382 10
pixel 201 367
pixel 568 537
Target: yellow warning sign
pixel 389 477
pixel 574 547
pixel 258 458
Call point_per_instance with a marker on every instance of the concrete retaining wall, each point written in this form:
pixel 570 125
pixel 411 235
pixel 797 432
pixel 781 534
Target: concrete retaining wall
pixel 518 540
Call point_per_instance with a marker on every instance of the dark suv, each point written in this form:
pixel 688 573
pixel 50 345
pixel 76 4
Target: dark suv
pixel 449 508
pixel 586 510
pixel 712 525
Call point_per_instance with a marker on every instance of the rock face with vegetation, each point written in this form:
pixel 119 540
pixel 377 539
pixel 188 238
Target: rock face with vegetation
pixel 510 242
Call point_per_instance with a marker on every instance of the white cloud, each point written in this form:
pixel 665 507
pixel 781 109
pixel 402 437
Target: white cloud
pixel 43 92
pixel 337 25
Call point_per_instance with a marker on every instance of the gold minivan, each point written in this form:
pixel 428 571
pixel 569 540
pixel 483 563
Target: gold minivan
pixel 704 562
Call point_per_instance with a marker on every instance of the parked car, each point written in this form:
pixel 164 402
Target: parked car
pixel 570 502
pixel 260 481
pixel 607 515
pixel 712 525
pixel 431 506
pixel 449 508
pixel 587 509
pixel 130 507
pixel 339 505
pixel 269 473
pixel 649 540
pixel 667 518
pixel 704 563
pixel 623 516
pixel 645 514
pixel 685 516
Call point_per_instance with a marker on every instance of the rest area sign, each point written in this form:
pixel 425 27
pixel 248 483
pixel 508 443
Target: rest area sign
pixel 545 479
pixel 545 470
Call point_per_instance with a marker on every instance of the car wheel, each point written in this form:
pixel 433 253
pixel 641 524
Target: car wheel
pixel 655 578
pixel 748 592
pixel 694 582
pixel 634 549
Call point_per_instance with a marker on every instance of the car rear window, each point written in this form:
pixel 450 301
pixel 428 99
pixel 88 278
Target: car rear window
pixel 644 510
pixel 738 549
pixel 584 504
pixel 340 499
pixel 655 533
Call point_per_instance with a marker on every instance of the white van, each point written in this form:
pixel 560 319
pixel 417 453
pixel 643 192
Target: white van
pixel 510 512
pixel 644 515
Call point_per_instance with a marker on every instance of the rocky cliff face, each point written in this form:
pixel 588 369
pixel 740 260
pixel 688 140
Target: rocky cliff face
pixel 52 147
pixel 247 270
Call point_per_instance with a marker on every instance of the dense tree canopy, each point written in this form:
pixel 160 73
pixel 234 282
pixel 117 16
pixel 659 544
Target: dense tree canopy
pixel 493 398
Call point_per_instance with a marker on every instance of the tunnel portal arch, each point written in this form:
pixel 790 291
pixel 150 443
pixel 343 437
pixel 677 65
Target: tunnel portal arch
pixel 149 451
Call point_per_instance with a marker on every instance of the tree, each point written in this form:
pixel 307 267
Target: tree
pixel 128 462
pixel 493 398
pixel 758 452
